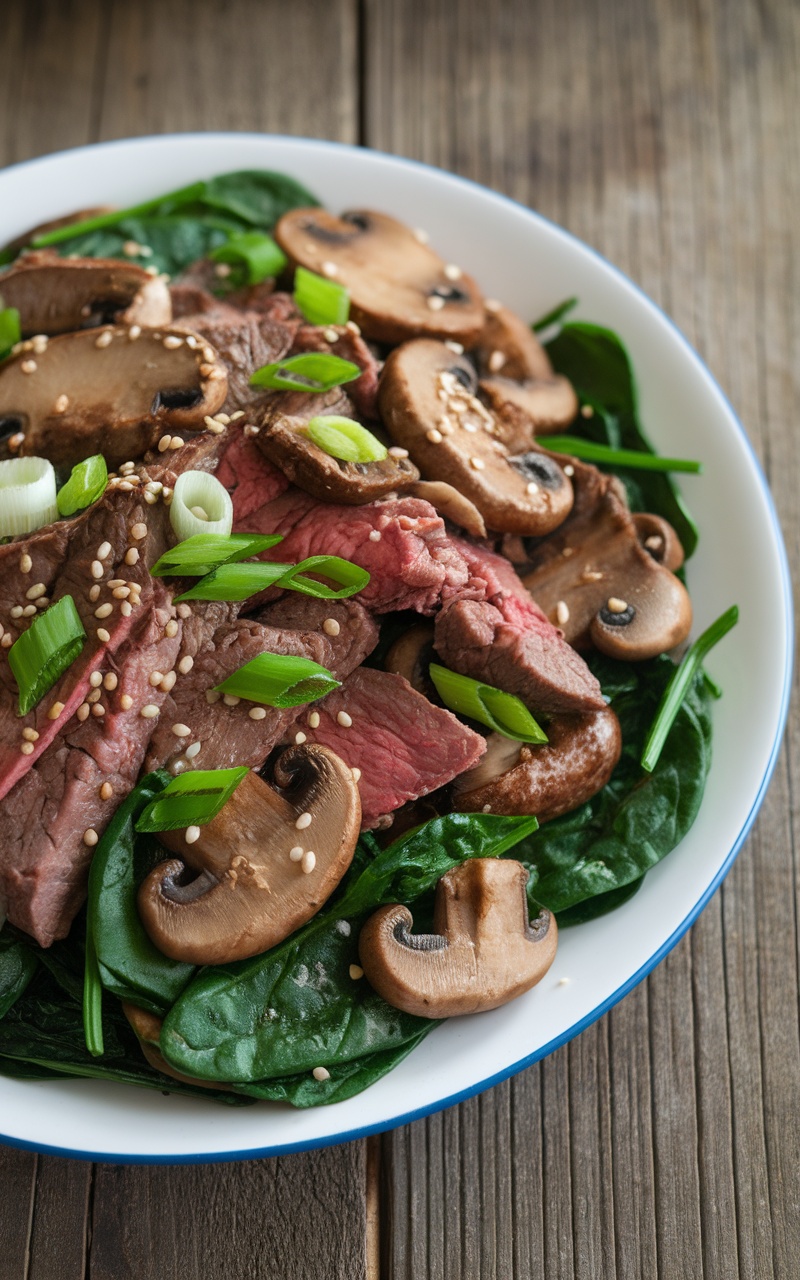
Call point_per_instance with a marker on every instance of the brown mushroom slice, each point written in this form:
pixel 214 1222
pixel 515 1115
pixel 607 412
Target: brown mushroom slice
pixel 55 224
pixel 450 504
pixel 284 441
pixel 508 345
pixel 399 287
pixel 411 655
pixel 108 391
pixel 525 410
pixel 147 1028
pixel 265 864
pixel 659 539
pixel 579 758
pixel 483 951
pixel 59 295
pixel 594 579
pixel 427 400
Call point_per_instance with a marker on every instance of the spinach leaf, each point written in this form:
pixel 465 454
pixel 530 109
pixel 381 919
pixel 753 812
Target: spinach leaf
pixel 597 364
pixel 174 242
pixel 296 1007
pixel 599 905
pixel 18 964
pixel 258 196
pixel 130 966
pixel 613 839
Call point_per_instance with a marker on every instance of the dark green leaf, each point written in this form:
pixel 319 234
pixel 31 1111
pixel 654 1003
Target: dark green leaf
pixel 18 964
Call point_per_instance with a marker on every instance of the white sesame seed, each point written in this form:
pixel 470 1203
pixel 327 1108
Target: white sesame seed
pixel 176 442
pixel 453 272
pixel 587 411
pixel 172 342
pixel 131 249
pixel 83 711
pixel 106 791
pixel 192 751
pixel 496 361
pixel 257 713
pixel 164 443
pixel 375 535
pixel 199 512
pixel 304 821
pixel 96 679
pixel 230 700
pixel 209 354
pixel 104 610
pixel 397 452
pixel 487 808
pixel 139 531
pixel 299 738
pixel 28 366
pixel 61 404
pixel 212 696
pixel 171 629
pixel 125 485
pixel 149 711
pixel 434 436
pixel 435 303
pixel 344 719
pixel 562 613
pixel 491 304
pixel 456 347
pixel 126 609
pixel 655 542
pixel 125 470
pixel 30 735
pixel 104 339
pixel 569 470
pixel 222 270
pixel 29 610
pixel 93 696
pixel 531 487
pixel 308 861
pixel 126 702
pixel 55 711
pixel 185 665
pixel 16 612
pixel 39 343
pixel 38 589
pixel 90 837
pixel 132 556
pixel 421 235
pixel 331 627
pixel 192 835
pixel 103 551
pixel 102 635
pixel 321 1073
pixel 183 611
pixel 313 720
pixel 564 982
pixel 110 680
pixel 97 569
pixel 42 602
pixel 6 641
pixel 296 853
pixel 331 335
pixel 15 441
pixel 134 332
pixel 477 463
pixel 121 593
pixel 155 678
pixel 615 605
pixel 181 730
pixel 98 710
pixel 25 563
pixel 329 269
pixel 356 972
pixel 356 772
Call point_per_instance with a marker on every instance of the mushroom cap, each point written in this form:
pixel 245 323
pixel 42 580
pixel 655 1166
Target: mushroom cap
pixel 525 410
pixel 483 952
pixel 399 287
pixel 104 391
pixel 450 504
pixel 248 894
pixel 576 762
pixel 59 295
pixel 506 334
pixel 411 655
pixel 426 398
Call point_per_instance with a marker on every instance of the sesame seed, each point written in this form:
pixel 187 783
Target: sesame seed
pixel 104 610
pixel 102 635
pixel 455 347
pixel 592 575
pixel 185 665
pixel 375 535
pixel 61 404
pixel 134 332
pixel 16 612
pixel 106 791
pixel 149 711
pixel 212 696
pixel 28 366
pixel 321 1073
pixel 209 354
pixel 569 470
pixel 104 339
pixel 192 751
pixel 16 440
pixel 83 711
pixel 30 735
pixel 29 610
pixel 33 593
pixel 154 486
pixel 352 327
pixel 331 627
pixel 164 443
pixel 42 602
pixel 491 304
pixel 356 972
pixel 121 593
pixel 654 542
pixel 103 551
pixel 172 342
pixel 344 719
pixel 39 343
pixel 230 700
pixel 562 613
pixel 192 835
pixel 132 556
pixel 308 861
pixel 6 641
pixel 90 837
pixel 296 853
pixel 532 487
pixel 487 808
pixel 139 531
pixel 222 270
pixel 155 678
pixel 98 710
pixel 131 249
pixel 587 411
pixel 257 713
pixel 125 485
pixel 96 679
pixel 199 512
pixel 356 772
pixel 299 738
pixel 94 695
pixel 25 563
pixel 55 711
pixel 181 731
pixel 496 361
pixel 329 269
pixel 434 436
pixel 171 629
pixel 331 335
pixel 110 680
pixel 313 720
pixel 477 463
pixel 126 609
pixel 97 569
pixel 435 303
pixel 421 235
pixel 304 821
pixel 234 416
pixel 126 702
pixel 615 605
pixel 125 470
pixel 176 442
pixel 397 452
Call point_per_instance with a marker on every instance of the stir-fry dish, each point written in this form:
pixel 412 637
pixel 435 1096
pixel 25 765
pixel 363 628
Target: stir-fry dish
pixel 339 611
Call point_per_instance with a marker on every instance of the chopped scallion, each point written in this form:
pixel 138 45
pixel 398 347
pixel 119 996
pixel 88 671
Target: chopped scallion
pixel 41 655
pixel 92 997
pixel 10 331
pixel 345 439
pixel 321 301
pixel 161 204
pixel 280 680
pixel 315 372
pixel 589 451
pixel 258 255
pixel 191 799
pixel 679 683
pixel 86 484
pixel 500 711
pixel 200 504
pixel 204 552
pixel 27 495
pixel 238 581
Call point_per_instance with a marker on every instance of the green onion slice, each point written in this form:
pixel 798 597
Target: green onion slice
pixel 280 680
pixel 257 253
pixel 679 683
pixel 203 552
pixel 498 710
pixel 345 439
pixel 238 581
pixel 162 204
pixel 27 495
pixel 44 652
pixel 321 301
pixel 200 504
pixel 555 316
pixel 92 997
pixel 86 484
pixel 10 331
pixel 315 372
pixel 589 451
pixel 191 799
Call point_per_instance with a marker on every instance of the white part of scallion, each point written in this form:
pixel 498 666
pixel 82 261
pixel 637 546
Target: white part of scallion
pixel 27 495
pixel 197 491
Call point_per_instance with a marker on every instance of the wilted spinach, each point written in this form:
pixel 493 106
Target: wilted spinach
pixel 18 964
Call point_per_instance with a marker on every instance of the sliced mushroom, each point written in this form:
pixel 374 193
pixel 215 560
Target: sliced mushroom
pixel 147 1028
pixel 518 381
pixel 283 439
pixel 411 655
pixel 108 391
pixel 451 505
pixel 428 403
pixel 265 864
pixel 594 579
pixel 483 951
pixel 509 346
pixel 55 224
pixel 659 539
pixel 579 758
pixel 398 286
pixel 59 295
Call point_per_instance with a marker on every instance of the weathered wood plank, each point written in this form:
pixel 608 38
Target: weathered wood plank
pixel 17 1189
pixel 60 1213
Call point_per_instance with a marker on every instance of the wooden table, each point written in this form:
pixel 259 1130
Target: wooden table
pixel 665 1141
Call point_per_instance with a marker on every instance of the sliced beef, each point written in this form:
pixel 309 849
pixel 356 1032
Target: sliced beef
pixel 345 342
pixel 250 479
pixel 401 542
pixel 404 746
pixel 228 734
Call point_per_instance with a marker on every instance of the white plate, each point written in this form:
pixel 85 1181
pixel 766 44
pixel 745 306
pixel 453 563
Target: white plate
pixel 531 265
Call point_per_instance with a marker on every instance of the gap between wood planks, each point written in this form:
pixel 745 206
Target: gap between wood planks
pixel 373 1207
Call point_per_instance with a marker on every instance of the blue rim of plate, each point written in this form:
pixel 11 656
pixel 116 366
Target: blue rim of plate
pixel 441 1104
